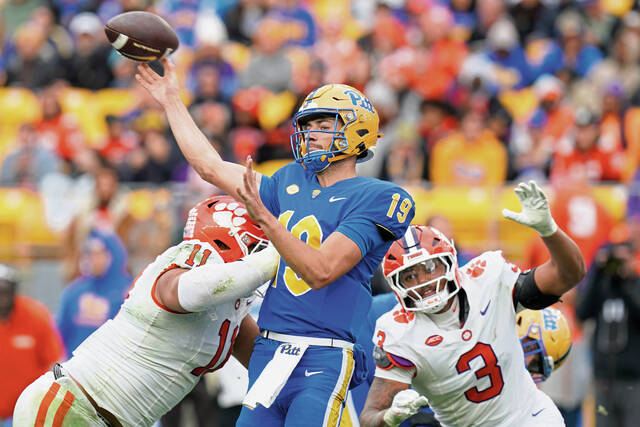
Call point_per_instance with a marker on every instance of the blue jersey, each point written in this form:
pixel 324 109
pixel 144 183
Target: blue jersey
pixel 370 212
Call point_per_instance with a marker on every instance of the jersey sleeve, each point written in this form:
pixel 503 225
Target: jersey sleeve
pixel 509 273
pixel 392 353
pixel 269 193
pixel 396 374
pixel 498 267
pixel 382 216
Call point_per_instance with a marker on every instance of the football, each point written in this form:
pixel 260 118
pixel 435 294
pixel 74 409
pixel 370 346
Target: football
pixel 141 36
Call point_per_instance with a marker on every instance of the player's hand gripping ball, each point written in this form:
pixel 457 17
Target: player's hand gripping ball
pixel 141 36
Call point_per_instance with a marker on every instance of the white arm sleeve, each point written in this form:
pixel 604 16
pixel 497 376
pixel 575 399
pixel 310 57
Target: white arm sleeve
pixel 396 374
pixel 212 284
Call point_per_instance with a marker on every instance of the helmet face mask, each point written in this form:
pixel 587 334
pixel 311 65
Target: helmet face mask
pixel 537 361
pixel 354 132
pixel 431 295
pixel 251 243
pixel 421 269
pixel 546 340
pixel 318 160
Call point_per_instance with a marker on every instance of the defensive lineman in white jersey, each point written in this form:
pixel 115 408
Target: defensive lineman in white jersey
pixel 184 316
pixel 453 337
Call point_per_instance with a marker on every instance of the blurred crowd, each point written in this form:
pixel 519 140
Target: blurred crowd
pixel 469 92
pixel 475 93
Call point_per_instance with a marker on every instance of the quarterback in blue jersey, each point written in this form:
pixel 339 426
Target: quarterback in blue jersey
pixel 331 229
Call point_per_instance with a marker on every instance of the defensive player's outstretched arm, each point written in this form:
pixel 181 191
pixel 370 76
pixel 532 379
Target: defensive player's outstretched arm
pixel 566 267
pixel 208 285
pixel 317 267
pixel 389 403
pixel 194 145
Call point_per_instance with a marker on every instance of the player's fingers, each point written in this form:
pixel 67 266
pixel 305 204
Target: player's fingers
pixel 142 81
pixel 538 191
pixel 146 72
pixel 140 72
pixel 532 189
pixel 246 178
pixel 524 189
pixel 241 195
pixel 522 195
pixel 420 401
pixel 252 173
pixel 514 216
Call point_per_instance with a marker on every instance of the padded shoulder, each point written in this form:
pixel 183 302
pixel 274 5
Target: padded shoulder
pixel 385 204
pixel 393 337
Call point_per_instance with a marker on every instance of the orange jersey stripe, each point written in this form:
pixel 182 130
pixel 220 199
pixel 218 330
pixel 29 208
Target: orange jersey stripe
pixel 153 290
pixel 63 409
pixel 46 402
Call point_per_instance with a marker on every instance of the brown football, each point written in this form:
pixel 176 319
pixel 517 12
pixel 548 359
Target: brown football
pixel 141 36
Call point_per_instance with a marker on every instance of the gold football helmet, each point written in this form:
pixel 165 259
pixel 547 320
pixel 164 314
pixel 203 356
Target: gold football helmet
pixel 546 340
pixel 354 134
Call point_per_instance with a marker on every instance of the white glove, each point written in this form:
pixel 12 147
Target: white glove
pixel 535 209
pixel 405 403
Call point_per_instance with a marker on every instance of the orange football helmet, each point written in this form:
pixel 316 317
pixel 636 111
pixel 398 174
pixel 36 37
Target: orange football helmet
pixel 225 223
pixel 422 245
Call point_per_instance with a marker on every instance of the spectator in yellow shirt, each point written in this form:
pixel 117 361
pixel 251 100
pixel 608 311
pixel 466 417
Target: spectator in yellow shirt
pixel 472 156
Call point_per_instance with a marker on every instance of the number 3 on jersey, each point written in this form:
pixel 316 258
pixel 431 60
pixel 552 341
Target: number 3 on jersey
pixel 309 231
pixel 490 369
pixel 404 208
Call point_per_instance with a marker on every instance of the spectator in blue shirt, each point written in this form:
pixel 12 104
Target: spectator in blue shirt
pixel 95 296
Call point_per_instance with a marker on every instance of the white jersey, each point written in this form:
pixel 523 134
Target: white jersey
pixel 143 362
pixel 475 375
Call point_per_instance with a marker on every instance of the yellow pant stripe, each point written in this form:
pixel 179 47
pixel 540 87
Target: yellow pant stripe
pixel 340 392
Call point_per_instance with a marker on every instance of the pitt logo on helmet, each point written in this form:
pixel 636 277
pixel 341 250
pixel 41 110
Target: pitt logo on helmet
pixel 354 133
pixel 550 319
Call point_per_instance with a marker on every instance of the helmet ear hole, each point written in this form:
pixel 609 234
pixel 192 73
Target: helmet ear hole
pixel 221 245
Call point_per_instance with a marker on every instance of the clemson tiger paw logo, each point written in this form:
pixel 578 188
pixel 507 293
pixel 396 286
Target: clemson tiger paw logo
pixel 476 268
pixel 229 215
pixel 402 316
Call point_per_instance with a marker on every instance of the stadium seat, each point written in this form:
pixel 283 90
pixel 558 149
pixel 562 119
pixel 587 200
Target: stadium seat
pixel 83 105
pixel 471 210
pixel 18 106
pixel 613 199
pixel 22 223
pixel 117 102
